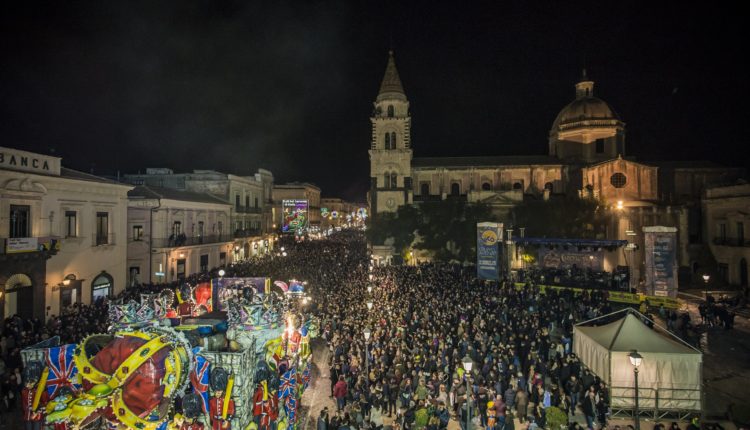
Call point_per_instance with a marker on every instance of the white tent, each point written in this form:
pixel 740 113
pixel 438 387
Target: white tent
pixel 670 375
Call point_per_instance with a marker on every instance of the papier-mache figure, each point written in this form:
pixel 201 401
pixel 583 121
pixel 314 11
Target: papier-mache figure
pixel 191 407
pixel 221 405
pixel 33 396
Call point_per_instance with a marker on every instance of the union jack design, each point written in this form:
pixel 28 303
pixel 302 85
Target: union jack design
pixel 62 369
pixel 199 377
pixel 306 376
pixel 287 384
pixel 290 406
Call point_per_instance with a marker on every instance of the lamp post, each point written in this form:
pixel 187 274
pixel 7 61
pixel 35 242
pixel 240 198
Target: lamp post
pixel 635 360
pixel 706 278
pixel 369 305
pixel 222 273
pixel 367 358
pixel 468 364
pixel 369 288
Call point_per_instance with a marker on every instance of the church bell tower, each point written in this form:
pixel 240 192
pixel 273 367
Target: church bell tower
pixel 390 147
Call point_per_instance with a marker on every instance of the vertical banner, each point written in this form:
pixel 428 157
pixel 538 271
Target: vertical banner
pixel 661 260
pixel 489 240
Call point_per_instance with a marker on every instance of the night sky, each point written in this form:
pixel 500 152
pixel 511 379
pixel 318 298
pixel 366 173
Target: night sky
pixel 289 86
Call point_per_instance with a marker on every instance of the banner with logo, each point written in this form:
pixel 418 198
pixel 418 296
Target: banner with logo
pixel 489 240
pixel 661 260
pixel 560 258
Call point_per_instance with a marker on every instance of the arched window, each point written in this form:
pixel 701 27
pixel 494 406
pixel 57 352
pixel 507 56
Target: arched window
pixel 394 182
pixel 102 287
pixel 517 186
pixel 393 140
pixel 387 140
pixel 455 189
pixel 486 186
pixel 548 186
pixel 390 111
pixel 424 189
pixel 386 180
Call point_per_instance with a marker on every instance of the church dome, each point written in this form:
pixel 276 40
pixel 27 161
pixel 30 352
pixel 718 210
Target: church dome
pixel 586 110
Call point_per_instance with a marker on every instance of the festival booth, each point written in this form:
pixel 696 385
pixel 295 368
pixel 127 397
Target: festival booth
pixel 233 352
pixel 670 373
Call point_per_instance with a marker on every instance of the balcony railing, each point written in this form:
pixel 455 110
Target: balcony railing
pixel 103 239
pixel 175 242
pixel 427 198
pixel 731 241
pixel 247 210
pixel 251 232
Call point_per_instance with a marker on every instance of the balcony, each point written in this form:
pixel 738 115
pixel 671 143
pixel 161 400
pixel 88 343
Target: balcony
pixel 248 210
pixel 251 232
pixel 731 241
pixel 427 198
pixel 103 240
pixel 176 242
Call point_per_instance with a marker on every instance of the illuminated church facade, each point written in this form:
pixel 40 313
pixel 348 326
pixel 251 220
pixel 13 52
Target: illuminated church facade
pixel 586 156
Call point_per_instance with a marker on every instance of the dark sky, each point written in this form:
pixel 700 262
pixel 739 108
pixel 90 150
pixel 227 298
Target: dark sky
pixel 289 86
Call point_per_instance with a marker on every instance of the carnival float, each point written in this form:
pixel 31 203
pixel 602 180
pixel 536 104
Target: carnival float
pixel 227 353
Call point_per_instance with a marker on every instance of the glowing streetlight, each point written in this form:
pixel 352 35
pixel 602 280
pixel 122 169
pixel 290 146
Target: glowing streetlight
pixel 222 273
pixel 635 360
pixel 706 278
pixel 369 288
pixel 369 305
pixel 620 205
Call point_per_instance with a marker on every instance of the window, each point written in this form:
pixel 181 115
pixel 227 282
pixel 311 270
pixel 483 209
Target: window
pixel 137 232
pixel 740 234
pixel 256 202
pixel 387 140
pixel 135 272
pixel 600 146
pixel 71 224
pixel 486 186
pixel 20 221
pixel 549 186
pixel 455 189
pixel 390 111
pixel 723 232
pixel 386 180
pixel 394 180
pixel 181 268
pixel 102 228
pixel 237 202
pixel 101 287
pixel 176 228
pixel 393 140
pixel 220 227
pixel 204 263
pixel 424 189
pixel 517 186
pixel 201 228
pixel 247 201
pixel 723 270
pixel 407 182
pixel 222 258
pixel 618 180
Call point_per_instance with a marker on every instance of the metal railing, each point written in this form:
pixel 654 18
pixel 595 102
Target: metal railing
pixel 251 232
pixel 655 403
pixel 175 242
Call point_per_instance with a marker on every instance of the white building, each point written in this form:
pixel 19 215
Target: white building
pixel 173 234
pixel 250 198
pixel 727 216
pixel 62 235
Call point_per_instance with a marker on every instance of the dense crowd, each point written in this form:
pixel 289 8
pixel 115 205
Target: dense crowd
pixel 424 321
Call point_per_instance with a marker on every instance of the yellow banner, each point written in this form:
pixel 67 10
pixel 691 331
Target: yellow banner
pixel 618 296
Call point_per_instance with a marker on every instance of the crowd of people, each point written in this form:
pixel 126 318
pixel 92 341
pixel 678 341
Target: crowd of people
pixel 424 322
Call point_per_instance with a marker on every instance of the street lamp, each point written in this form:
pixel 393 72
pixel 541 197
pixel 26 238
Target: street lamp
pixel 369 288
pixel 367 357
pixel 635 360
pixel 369 305
pixel 468 364
pixel 222 273
pixel 706 278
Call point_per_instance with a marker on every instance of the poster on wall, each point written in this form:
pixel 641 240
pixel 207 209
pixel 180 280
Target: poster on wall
pixel 295 216
pixel 661 260
pixel 489 238
pixel 560 258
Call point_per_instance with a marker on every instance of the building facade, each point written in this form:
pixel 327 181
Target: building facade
pixel 63 235
pixel 585 157
pixel 173 234
pixel 250 198
pixel 727 225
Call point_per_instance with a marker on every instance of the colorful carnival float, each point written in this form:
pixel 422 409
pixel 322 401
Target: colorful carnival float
pixel 229 353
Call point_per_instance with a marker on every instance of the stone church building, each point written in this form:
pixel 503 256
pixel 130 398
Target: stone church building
pixel 586 157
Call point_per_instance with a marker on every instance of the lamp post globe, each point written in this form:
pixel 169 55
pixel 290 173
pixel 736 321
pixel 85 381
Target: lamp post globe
pixel 222 273
pixel 467 364
pixel 636 360
pixel 369 305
